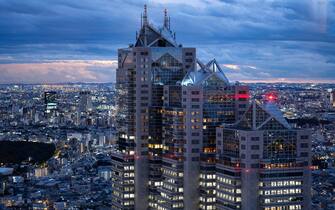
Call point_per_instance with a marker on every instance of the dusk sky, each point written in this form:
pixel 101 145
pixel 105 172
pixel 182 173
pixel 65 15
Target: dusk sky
pixel 50 41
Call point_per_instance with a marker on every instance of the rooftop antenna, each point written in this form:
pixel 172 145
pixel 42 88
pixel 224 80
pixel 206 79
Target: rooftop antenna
pixel 141 20
pixel 145 24
pixel 169 22
pixel 145 15
pixel 166 19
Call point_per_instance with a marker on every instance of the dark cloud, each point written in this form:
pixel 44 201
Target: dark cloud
pixel 280 39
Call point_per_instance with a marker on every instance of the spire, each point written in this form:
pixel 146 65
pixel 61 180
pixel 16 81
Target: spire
pixel 169 22
pixel 166 19
pixel 141 20
pixel 145 15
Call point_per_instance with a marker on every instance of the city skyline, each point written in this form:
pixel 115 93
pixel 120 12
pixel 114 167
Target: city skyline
pixel 253 41
pixel 170 122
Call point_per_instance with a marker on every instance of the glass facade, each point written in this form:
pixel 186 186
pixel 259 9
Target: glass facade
pixel 259 164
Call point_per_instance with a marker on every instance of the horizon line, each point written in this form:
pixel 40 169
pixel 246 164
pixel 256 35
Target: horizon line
pixel 241 81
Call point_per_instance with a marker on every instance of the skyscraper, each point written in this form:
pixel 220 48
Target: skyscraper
pixel 170 153
pixel 144 68
pixel 85 103
pixel 50 101
pixel 332 99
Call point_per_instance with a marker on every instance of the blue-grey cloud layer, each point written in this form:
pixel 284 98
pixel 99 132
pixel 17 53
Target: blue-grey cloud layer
pixel 267 39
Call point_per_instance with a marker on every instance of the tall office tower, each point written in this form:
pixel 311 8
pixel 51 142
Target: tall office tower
pixel 85 103
pixel 332 99
pixel 262 163
pixel 50 101
pixel 192 110
pixel 144 68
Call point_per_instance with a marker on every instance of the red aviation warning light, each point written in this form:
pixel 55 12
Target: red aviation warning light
pixel 271 96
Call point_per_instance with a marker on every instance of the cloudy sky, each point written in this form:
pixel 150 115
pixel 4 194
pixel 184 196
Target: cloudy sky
pixel 50 41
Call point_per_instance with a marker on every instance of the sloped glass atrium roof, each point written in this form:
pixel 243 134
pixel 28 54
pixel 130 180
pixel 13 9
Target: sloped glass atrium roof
pixel 262 117
pixel 203 73
pixel 273 109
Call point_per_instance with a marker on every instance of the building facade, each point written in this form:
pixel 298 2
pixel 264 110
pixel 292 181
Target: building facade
pixel 263 163
pixel 208 99
pixel 173 117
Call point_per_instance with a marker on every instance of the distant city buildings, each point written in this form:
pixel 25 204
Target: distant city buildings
pixel 41 172
pixel 78 175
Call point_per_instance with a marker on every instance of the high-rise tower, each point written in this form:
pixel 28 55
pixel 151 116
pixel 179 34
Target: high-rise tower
pixel 203 100
pixel 50 101
pixel 85 103
pixel 332 99
pixel 144 68
pixel 183 130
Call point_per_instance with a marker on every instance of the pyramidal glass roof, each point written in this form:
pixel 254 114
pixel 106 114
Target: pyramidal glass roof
pixel 204 72
pixel 149 36
pixel 168 35
pixel 259 116
pixel 274 111
pixel 214 67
